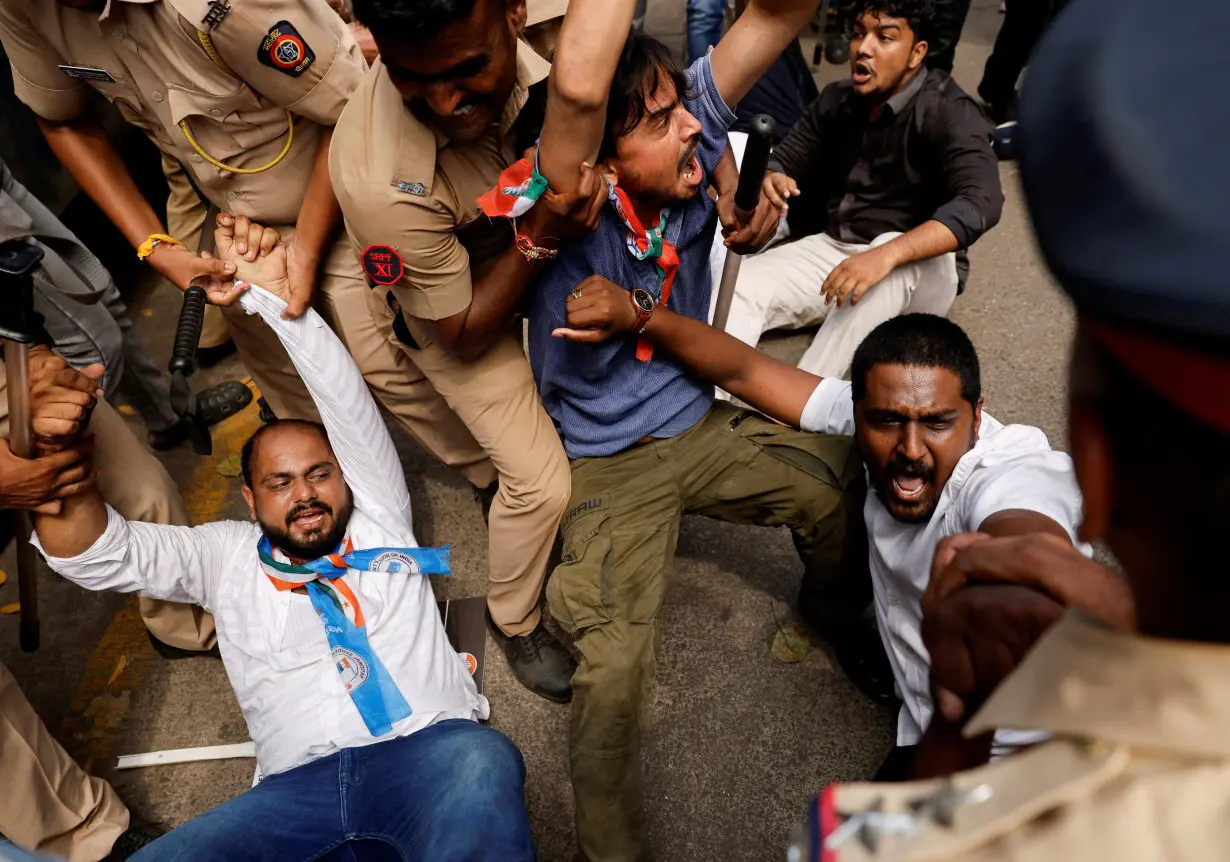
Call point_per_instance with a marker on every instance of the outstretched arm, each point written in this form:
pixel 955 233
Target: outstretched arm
pixel 590 44
pixel 762 32
pixel 605 311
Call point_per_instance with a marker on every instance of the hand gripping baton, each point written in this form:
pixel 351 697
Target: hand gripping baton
pixel 751 177
pixel 21 328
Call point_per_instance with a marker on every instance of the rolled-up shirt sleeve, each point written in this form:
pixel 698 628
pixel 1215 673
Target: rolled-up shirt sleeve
pixel 38 81
pixel 161 561
pixel 971 172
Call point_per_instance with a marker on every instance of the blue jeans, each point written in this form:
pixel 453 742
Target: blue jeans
pixel 704 25
pixel 453 792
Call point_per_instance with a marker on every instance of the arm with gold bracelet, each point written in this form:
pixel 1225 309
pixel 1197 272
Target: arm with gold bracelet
pixel 88 154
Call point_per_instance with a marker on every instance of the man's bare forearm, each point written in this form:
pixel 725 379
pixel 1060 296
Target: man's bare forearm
pixel 776 389
pixel 88 154
pixel 320 213
pixel 80 523
pixel 930 239
pixel 495 299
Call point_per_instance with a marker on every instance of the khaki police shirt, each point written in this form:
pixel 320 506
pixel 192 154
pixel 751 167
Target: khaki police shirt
pixel 144 56
pixel 410 196
pixel 1139 770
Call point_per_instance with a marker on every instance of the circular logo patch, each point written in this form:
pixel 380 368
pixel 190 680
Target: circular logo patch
pixel 394 562
pixel 287 51
pixel 351 666
pixel 382 264
pixel 471 662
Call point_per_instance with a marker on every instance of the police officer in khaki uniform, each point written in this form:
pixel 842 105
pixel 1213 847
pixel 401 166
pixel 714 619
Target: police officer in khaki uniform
pixel 451 103
pixel 244 98
pixel 1123 164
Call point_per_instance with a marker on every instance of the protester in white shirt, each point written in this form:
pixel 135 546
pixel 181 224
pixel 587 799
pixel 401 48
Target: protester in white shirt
pixel 363 716
pixel 936 464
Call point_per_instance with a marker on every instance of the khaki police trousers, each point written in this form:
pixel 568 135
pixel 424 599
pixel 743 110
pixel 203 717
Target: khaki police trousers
pixel 135 484
pixel 620 534
pixel 496 398
pixel 345 301
pixel 50 804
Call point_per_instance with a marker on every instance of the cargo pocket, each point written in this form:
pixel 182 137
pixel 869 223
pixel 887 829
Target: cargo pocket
pixel 580 591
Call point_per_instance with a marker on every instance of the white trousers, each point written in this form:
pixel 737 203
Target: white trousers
pixel 780 289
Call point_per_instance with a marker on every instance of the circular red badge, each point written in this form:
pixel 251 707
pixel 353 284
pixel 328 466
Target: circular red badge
pixel 287 51
pixel 382 264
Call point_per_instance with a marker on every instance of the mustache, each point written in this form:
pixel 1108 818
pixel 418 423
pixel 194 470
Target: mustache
pixel 909 469
pixel 689 152
pixel 306 508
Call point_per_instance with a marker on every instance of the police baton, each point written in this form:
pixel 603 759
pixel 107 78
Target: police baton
pixel 747 195
pixel 21 328
pixel 183 351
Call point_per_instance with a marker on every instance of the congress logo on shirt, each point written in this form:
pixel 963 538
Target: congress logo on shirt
pixel 394 562
pixel 470 661
pixel 285 50
pixel 351 666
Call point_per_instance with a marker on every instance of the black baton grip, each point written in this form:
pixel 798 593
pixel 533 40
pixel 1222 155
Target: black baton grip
pixel 188 332
pixel 755 162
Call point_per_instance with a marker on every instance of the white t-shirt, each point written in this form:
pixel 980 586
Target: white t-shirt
pixel 274 647
pixel 1010 467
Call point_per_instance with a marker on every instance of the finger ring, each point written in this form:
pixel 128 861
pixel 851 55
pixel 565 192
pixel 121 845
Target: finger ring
pixel 576 294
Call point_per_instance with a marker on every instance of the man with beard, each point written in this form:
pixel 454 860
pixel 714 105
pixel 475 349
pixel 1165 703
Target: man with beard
pixel 936 463
pixel 647 442
pixel 364 717
pixel 1116 154
pixel 888 175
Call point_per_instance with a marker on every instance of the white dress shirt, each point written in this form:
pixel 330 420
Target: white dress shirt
pixel 273 644
pixel 1010 467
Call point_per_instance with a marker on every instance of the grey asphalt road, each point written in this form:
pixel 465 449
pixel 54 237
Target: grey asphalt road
pixel 735 742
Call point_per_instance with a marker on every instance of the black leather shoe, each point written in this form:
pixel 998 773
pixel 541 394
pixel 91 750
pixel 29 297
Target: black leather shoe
pixel 134 838
pixel 538 661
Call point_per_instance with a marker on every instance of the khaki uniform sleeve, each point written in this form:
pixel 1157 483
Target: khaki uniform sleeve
pixel 37 79
pixel 300 55
pixel 435 267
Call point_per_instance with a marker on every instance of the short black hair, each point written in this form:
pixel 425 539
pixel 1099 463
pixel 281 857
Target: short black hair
pixel 412 20
pixel 245 456
pixel 920 14
pixel 921 340
pixel 642 66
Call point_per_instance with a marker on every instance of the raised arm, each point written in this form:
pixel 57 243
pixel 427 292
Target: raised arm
pixel 605 311
pixel 762 32
pixel 356 431
pixel 590 44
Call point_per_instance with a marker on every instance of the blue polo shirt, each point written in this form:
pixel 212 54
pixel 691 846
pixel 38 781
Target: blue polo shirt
pixel 602 398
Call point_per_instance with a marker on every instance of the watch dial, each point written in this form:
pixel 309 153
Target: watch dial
pixel 643 300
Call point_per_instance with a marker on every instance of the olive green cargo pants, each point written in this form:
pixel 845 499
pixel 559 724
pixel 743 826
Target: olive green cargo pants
pixel 620 533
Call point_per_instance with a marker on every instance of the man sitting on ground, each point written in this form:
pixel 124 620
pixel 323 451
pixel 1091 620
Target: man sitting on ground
pixel 936 463
pixel 888 174
pixel 646 441
pixel 363 715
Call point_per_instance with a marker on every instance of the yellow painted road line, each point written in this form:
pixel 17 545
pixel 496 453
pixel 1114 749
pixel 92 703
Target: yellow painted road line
pixel 123 656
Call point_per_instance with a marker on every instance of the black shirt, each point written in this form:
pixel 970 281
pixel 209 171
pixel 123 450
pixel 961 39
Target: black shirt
pixel 926 155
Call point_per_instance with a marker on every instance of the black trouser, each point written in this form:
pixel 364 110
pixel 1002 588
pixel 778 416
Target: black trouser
pixel 946 33
pixel 1024 23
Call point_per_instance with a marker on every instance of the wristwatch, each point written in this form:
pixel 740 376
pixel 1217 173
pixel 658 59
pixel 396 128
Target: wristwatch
pixel 644 303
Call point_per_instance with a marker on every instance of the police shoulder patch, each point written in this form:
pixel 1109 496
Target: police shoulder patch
pixel 285 50
pixel 382 264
